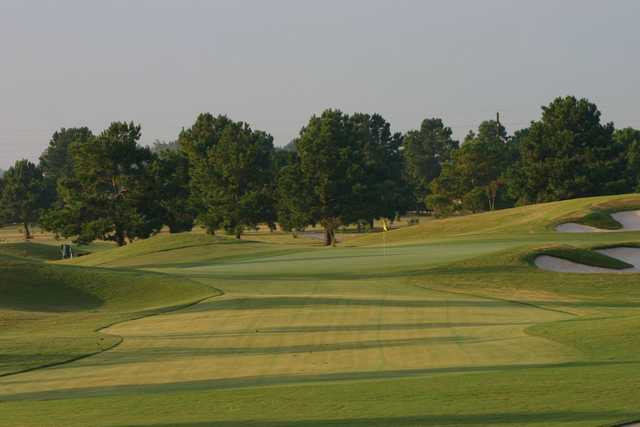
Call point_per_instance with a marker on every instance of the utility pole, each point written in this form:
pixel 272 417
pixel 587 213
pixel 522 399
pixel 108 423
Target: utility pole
pixel 498 125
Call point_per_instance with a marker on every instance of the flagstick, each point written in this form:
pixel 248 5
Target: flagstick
pixel 384 240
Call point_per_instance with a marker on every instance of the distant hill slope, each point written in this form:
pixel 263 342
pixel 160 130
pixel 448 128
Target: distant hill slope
pixel 183 249
pixel 537 218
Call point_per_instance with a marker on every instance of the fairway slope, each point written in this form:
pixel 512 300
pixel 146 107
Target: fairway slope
pixel 52 313
pixel 182 250
pixel 531 219
pixel 451 323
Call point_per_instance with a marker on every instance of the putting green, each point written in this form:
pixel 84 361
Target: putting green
pixel 450 324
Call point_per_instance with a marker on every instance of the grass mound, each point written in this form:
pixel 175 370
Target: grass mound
pixel 532 219
pixel 35 251
pixel 52 313
pixel 599 216
pixel 180 250
pixel 599 219
pixel 583 256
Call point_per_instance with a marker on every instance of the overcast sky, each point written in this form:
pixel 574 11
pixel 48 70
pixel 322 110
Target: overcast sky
pixel 275 63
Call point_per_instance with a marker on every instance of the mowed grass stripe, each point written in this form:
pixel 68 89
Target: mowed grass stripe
pixel 267 355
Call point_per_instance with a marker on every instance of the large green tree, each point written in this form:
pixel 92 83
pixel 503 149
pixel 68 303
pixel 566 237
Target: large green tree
pixel 110 194
pixel 56 161
pixel 569 153
pixel 332 167
pixel 628 140
pixel 293 198
pixel 381 191
pixel 232 178
pixel 477 168
pixel 426 151
pixel 22 195
pixel 170 170
pixel 348 169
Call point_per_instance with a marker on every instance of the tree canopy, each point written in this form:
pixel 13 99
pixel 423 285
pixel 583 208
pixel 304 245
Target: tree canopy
pixel 232 180
pixel 22 195
pixel 426 151
pixel 341 170
pixel 569 153
pixel 476 168
pixel 110 194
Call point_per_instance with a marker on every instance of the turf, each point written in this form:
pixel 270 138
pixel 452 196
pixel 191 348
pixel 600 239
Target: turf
pixel 51 314
pixel 583 256
pixel 448 324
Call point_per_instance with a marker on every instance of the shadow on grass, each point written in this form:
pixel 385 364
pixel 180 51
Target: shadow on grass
pixel 365 327
pixel 169 353
pixel 465 301
pixel 278 303
pixel 265 380
pixel 518 418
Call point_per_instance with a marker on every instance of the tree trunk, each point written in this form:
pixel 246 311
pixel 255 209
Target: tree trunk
pixel 27 232
pixel 120 238
pixel 330 225
pixel 238 232
pixel 327 237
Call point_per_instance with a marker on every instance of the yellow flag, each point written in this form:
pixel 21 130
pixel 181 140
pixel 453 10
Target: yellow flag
pixel 385 224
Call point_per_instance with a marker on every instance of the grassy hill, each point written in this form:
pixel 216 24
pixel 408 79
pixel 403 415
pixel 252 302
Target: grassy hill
pixel 178 250
pixel 450 324
pixel 531 219
pixel 53 313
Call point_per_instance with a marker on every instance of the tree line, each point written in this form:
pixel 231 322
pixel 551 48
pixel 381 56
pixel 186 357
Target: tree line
pixel 340 170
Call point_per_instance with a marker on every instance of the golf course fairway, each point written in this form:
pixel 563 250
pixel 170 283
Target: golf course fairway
pixel 444 323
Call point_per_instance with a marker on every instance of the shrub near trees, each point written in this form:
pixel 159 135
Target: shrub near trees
pixel 341 170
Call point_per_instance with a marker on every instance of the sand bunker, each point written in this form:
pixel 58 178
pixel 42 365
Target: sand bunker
pixel 630 221
pixel 628 255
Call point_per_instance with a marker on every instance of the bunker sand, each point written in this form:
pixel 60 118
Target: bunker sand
pixel 628 255
pixel 630 221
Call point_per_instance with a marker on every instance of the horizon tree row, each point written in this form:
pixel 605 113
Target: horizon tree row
pixel 340 170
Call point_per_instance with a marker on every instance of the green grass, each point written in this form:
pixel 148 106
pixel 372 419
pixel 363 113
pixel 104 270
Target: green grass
pixel 50 313
pixel 600 216
pixel 449 324
pixel 599 219
pixel 182 250
pixel 583 256
pixel 533 219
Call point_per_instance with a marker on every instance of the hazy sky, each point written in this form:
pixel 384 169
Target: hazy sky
pixel 275 63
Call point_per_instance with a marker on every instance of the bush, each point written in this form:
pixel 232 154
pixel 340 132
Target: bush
pixel 413 221
pixel 440 205
pixel 475 200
